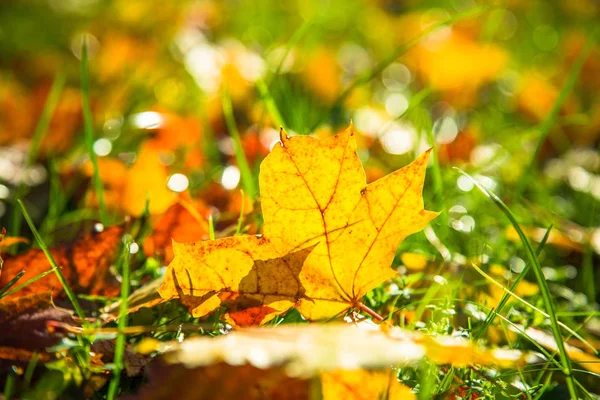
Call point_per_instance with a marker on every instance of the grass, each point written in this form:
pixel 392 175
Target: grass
pixel 55 268
pixel 247 177
pixel 121 336
pixel 89 131
pixel 40 130
pixel 542 283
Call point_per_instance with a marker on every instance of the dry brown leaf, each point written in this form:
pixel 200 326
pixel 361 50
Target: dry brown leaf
pixel 9 241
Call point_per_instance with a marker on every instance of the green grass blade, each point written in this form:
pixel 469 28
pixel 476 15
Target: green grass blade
pixel 29 282
pixel 545 126
pixel 30 370
pixel 40 131
pixel 272 109
pixel 238 229
pixel 541 280
pixel 121 336
pixel 438 183
pixel 53 264
pixel 211 227
pixel 245 171
pixel 296 37
pixel 89 132
pixel 9 385
pixel 10 284
pixel 492 315
pixel 534 308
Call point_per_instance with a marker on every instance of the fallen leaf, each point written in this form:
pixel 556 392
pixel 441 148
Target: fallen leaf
pixel 220 382
pixel 9 241
pixel 241 272
pixel 314 191
pixel 569 239
pixel 306 350
pixel 587 361
pixel 128 189
pixel 185 221
pixel 314 196
pixel 364 385
pixel 85 264
pixel 344 361
pixel 23 321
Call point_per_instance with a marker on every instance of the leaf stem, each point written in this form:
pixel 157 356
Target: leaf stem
pixel 369 311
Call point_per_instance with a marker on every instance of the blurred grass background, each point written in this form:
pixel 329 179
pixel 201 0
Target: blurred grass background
pixel 507 90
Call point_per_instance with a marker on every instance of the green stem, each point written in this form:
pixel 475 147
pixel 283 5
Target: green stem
pixel 492 315
pixel 122 325
pixel 40 131
pixel 55 267
pixel 240 156
pixel 89 132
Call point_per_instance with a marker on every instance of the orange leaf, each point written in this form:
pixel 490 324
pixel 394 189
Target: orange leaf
pixel 185 221
pixel 85 264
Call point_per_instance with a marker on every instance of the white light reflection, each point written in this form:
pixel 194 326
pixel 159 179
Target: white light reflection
pixel 231 177
pixel 147 120
pixel 102 147
pixel 398 139
pixel 178 183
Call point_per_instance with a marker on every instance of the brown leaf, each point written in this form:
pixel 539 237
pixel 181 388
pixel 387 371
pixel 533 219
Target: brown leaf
pixel 85 264
pixel 105 352
pixel 23 321
pixel 24 332
pixel 220 382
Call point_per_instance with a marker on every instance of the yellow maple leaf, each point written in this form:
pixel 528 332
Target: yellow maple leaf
pixel 339 233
